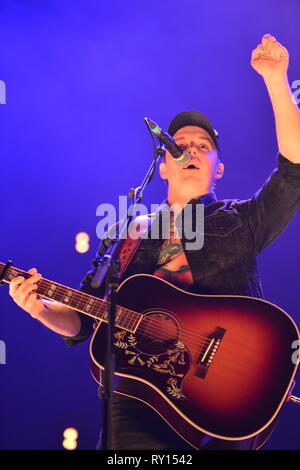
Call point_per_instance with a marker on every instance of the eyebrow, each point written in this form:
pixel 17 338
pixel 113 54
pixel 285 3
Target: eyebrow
pixel 200 138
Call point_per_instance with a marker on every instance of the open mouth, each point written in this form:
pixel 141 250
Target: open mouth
pixel 191 166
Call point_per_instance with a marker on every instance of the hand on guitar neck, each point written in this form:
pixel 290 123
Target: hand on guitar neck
pixel 55 316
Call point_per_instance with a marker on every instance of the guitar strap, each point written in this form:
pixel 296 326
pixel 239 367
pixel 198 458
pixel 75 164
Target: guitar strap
pixel 128 248
pixel 130 245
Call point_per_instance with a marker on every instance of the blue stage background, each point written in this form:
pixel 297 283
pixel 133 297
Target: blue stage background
pixel 80 76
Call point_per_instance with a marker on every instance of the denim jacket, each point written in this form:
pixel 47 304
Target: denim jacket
pixel 235 232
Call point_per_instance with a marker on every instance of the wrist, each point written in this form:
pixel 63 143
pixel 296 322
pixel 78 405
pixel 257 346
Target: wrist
pixel 41 312
pixel 276 80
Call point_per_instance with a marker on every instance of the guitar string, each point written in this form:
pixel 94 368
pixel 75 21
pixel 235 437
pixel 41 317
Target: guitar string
pixel 185 331
pixel 154 329
pixel 101 300
pixel 126 315
pixel 62 291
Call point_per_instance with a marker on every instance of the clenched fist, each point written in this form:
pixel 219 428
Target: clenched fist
pixel 270 59
pixel 22 291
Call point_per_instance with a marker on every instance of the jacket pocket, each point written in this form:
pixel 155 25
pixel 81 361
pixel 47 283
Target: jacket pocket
pixel 222 225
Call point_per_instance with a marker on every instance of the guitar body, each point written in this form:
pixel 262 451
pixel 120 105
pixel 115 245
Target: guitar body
pixel 219 365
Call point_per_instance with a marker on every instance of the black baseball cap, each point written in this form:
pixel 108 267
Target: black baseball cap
pixel 193 118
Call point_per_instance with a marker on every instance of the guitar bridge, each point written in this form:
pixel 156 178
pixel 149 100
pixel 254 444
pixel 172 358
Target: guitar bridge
pixel 207 354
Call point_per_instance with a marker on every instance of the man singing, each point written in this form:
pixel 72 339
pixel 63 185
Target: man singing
pixel 235 233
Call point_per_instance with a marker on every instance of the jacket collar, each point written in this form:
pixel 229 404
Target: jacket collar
pixel 206 199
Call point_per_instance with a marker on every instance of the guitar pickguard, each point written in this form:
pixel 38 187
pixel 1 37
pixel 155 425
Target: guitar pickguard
pixel 173 362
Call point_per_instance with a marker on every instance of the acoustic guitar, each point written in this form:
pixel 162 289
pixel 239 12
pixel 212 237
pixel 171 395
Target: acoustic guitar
pixel 221 365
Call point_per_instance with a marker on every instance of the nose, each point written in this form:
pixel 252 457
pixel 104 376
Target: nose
pixel 193 150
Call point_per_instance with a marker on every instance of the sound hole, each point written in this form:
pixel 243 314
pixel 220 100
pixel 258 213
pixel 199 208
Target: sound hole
pixel 157 333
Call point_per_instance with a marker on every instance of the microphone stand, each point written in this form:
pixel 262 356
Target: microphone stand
pixel 108 270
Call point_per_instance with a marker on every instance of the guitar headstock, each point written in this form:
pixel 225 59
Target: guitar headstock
pixel 3 270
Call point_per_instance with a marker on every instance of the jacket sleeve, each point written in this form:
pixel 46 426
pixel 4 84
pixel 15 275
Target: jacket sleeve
pixel 274 205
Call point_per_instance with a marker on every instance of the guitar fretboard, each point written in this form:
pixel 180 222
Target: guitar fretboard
pixel 75 299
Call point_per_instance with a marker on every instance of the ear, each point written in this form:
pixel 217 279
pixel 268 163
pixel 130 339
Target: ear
pixel 163 171
pixel 220 171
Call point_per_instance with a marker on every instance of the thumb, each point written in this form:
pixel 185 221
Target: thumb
pixel 32 271
pixel 256 53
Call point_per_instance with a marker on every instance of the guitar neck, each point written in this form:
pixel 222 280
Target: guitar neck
pixel 75 299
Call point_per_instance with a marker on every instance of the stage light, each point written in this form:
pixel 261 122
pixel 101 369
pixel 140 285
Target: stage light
pixel 70 438
pixel 82 242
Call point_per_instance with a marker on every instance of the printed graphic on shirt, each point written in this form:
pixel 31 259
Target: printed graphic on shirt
pixel 172 263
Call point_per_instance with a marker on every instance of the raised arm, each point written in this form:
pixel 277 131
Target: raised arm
pixel 270 59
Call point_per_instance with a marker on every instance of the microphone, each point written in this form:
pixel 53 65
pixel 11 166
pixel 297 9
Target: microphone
pixel 181 157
